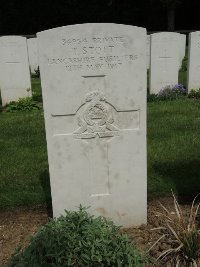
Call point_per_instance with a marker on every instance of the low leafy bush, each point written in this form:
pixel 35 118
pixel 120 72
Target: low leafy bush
pixel 23 104
pixel 194 94
pixel 184 232
pixel 78 239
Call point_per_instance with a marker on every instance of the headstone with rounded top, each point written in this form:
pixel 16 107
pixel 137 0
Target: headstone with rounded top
pixel 193 70
pixel 15 79
pixel 94 91
pixel 167 52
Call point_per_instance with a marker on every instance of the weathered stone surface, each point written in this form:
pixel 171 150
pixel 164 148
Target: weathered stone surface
pixel 94 92
pixel 193 70
pixel 33 54
pixel 14 69
pixel 148 50
pixel 166 57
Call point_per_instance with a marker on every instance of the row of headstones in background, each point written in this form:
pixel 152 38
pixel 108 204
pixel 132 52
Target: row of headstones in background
pixel 170 45
pixel 165 52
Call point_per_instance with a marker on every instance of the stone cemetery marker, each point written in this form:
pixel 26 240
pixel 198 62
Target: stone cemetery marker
pixel 14 69
pixel 193 72
pixel 148 50
pixel 94 91
pixel 33 54
pixel 166 52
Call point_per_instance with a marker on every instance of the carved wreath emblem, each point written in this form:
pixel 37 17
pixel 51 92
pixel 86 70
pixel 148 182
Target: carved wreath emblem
pixel 96 118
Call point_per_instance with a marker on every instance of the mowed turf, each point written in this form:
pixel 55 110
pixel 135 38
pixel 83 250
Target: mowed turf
pixel 173 138
pixel 174 147
pixel 23 164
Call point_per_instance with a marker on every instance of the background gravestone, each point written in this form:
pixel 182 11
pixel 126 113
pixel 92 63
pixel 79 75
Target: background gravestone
pixel 148 50
pixel 94 92
pixel 193 72
pixel 166 54
pixel 33 54
pixel 14 69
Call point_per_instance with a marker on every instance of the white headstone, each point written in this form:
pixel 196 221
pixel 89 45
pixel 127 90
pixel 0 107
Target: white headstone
pixel 33 54
pixel 14 69
pixel 165 60
pixel 94 91
pixel 148 50
pixel 193 70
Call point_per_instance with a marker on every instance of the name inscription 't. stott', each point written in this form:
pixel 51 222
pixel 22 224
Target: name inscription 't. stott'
pixel 95 53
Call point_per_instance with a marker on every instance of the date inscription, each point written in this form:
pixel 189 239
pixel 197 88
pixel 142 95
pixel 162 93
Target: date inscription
pixel 94 54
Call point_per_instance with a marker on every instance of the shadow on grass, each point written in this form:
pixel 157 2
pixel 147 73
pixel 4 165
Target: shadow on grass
pixel 185 175
pixel 46 186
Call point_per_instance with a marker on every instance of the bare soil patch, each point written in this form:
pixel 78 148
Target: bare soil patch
pixel 16 226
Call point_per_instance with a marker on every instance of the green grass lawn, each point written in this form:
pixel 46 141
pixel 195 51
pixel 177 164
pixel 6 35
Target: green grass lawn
pixel 174 147
pixel 36 89
pixel 173 134
pixel 23 164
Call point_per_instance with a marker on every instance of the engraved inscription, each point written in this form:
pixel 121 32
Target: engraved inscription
pixel 77 41
pixel 94 54
pixel 14 62
pixel 95 118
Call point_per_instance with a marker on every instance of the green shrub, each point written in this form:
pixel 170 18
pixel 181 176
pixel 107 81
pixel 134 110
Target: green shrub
pixel 78 239
pixel 23 104
pixel 194 94
pixel 184 64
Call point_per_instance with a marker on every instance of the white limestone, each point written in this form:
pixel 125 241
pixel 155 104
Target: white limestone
pixel 33 54
pixel 193 70
pixel 148 50
pixel 94 92
pixel 166 52
pixel 14 69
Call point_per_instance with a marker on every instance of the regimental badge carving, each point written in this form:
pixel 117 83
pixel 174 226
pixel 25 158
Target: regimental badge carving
pixel 95 118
